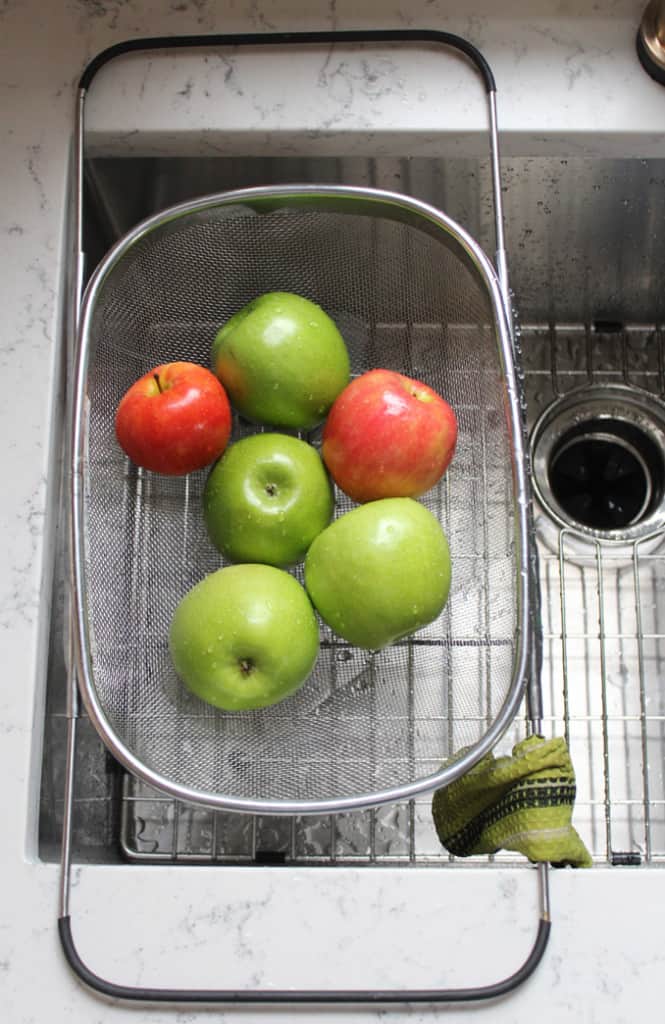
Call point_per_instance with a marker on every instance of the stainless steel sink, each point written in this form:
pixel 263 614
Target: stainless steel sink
pixel 587 263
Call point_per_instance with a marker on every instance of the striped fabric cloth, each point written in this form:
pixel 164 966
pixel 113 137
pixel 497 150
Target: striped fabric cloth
pixel 523 803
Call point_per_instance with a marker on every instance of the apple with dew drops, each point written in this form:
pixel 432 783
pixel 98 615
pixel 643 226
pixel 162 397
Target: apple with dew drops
pixel 388 436
pixel 174 419
pixel 380 572
pixel 266 500
pixel 244 637
pixel 282 360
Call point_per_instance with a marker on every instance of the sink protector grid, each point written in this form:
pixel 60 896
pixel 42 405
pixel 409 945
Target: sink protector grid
pixel 603 611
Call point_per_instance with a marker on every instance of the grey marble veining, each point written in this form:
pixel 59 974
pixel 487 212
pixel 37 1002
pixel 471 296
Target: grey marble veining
pixel 569 83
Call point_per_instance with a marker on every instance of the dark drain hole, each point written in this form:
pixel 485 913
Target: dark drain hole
pixel 606 474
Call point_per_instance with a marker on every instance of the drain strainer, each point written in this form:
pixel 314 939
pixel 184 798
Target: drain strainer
pixel 598 458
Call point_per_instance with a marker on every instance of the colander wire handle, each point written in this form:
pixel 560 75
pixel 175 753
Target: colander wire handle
pixel 446 39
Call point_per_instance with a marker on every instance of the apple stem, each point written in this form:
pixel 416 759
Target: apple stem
pixel 246 666
pixel 156 376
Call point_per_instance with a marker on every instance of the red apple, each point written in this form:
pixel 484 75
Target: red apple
pixel 388 436
pixel 175 419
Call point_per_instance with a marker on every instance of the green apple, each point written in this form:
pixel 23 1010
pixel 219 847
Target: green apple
pixel 282 361
pixel 267 499
pixel 245 637
pixel 380 572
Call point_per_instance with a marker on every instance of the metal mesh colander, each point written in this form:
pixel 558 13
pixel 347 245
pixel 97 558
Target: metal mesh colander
pixel 409 291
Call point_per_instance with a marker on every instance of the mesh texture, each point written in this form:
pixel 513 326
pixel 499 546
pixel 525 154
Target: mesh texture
pixel 404 300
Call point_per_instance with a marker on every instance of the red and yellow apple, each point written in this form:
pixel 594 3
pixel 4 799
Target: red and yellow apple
pixel 388 436
pixel 175 419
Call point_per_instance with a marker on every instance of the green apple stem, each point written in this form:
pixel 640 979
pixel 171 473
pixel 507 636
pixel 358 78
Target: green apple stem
pixel 246 666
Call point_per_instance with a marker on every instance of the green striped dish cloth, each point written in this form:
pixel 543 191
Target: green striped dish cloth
pixel 523 803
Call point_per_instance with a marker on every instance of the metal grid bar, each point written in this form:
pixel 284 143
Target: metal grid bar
pixel 646 803
pixel 604 702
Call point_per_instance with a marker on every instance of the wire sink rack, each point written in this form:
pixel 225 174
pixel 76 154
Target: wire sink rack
pixel 604 651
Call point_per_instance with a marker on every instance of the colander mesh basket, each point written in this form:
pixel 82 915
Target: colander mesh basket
pixel 410 292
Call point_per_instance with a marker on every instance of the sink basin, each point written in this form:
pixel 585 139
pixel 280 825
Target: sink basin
pixel 587 264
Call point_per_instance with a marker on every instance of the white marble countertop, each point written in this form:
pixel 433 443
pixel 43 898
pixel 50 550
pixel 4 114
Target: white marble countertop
pixel 565 70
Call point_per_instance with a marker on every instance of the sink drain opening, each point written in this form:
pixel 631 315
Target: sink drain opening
pixel 603 477
pixel 599 463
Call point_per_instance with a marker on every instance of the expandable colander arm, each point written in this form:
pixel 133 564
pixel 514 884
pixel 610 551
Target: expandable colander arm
pixel 377 997
pixel 411 35
pixel 267 997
